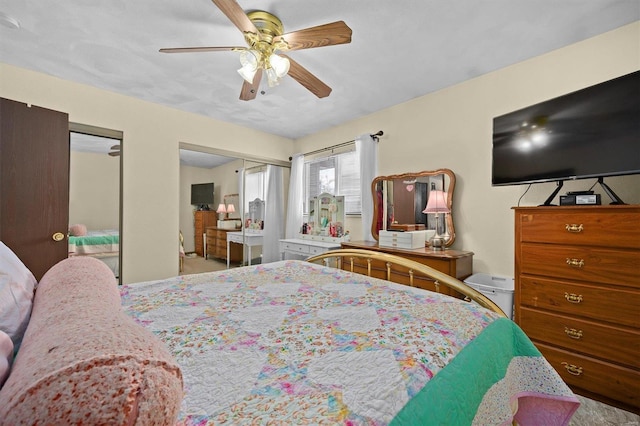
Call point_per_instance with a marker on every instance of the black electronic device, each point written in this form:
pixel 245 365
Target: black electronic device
pixel 580 193
pixel 580 199
pixel 202 195
pixel 593 132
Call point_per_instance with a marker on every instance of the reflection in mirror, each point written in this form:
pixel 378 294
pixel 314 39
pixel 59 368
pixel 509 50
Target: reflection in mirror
pixel 94 195
pixel 399 202
pixel 256 214
pixel 232 200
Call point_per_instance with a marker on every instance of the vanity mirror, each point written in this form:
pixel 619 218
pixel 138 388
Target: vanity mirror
pixel 399 202
pixel 232 200
pixel 255 218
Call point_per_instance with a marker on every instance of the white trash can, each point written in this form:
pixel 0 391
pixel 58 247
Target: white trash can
pixel 498 289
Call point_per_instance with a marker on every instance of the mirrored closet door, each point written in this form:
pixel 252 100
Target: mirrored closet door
pixel 95 194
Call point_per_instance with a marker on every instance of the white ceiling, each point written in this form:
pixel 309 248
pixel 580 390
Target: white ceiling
pixel 400 50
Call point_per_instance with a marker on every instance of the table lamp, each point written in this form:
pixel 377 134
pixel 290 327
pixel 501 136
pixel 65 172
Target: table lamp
pixel 222 211
pixel 436 204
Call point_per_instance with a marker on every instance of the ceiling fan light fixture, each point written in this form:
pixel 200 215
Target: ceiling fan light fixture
pixel 279 64
pixel 249 59
pixel 272 78
pixel 247 73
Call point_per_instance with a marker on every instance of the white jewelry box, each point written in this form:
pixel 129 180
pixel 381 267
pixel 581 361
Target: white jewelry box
pixel 405 240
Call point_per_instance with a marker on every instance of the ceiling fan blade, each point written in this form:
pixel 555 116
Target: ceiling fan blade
pixel 114 154
pixel 308 80
pixel 323 35
pixel 249 91
pixel 116 147
pixel 234 12
pixel 199 49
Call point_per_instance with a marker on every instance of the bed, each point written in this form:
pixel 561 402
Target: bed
pixel 296 342
pixel 101 244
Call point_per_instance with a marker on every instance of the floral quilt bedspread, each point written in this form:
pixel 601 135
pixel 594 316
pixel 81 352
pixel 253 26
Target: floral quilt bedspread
pixel 296 343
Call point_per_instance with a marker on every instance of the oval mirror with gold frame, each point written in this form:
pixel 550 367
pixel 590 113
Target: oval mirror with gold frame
pixel 400 200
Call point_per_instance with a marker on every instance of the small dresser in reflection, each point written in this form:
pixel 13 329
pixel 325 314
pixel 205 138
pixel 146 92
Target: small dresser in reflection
pixel 577 295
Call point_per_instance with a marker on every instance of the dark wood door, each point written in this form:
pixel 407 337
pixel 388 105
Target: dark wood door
pixel 34 183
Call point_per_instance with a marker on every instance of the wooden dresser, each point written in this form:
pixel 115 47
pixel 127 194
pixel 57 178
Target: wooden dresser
pixel 456 263
pixel 217 245
pixel 201 220
pixel 577 295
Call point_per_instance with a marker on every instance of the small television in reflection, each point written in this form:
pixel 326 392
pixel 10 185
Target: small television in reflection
pixel 202 195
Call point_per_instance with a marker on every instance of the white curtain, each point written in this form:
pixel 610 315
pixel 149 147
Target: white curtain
pixel 295 203
pixel 241 194
pixel 274 215
pixel 367 150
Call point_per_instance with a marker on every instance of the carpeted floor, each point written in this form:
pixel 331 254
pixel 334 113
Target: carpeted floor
pixel 196 264
pixel 594 413
pixel 590 413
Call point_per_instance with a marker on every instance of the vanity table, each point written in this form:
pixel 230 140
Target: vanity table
pixel 249 238
pixel 306 247
pixel 456 263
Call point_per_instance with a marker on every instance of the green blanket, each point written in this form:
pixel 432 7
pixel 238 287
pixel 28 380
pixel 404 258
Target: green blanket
pixel 476 369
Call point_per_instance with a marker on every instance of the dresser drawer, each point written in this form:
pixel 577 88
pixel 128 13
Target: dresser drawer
pixel 615 382
pixel 211 241
pixel 293 247
pixel 616 306
pixel 316 250
pixel 613 228
pixel 581 263
pixel 221 235
pixel 220 242
pixel 583 336
pixel 221 252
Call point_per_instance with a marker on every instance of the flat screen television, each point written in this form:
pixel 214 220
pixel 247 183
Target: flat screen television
pixel 202 195
pixel 593 132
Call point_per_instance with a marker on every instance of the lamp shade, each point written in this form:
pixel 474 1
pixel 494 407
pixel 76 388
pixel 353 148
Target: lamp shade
pixel 231 208
pixel 221 208
pixel 437 202
pixel 247 74
pixel 279 64
pixel 249 60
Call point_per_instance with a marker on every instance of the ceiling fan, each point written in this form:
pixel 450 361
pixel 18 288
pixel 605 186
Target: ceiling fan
pixel 115 151
pixel 266 40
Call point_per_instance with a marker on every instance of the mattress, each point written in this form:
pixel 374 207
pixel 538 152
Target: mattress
pixel 95 242
pixel 297 343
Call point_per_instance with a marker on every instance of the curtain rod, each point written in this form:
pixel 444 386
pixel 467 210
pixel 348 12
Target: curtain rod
pixel 340 145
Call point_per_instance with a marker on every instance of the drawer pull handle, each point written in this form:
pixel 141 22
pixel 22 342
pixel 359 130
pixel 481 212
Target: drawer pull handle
pixel 573 333
pixel 573 298
pixel 572 369
pixel 575 263
pixel 574 228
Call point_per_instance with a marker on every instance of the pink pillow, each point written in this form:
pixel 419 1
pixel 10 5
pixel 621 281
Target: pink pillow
pixel 84 361
pixel 6 355
pixel 78 230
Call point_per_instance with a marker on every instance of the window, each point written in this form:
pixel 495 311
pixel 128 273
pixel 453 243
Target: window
pixel 336 175
pixel 254 187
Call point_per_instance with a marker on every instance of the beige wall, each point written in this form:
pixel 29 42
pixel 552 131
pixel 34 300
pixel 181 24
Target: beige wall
pixel 452 128
pixel 150 158
pixel 94 190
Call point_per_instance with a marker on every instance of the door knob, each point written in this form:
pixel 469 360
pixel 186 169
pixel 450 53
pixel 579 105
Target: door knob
pixel 58 236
